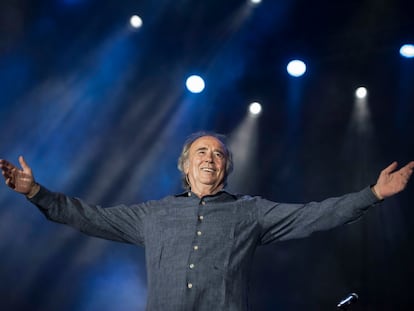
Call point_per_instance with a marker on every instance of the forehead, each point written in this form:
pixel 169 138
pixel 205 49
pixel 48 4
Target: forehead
pixel 207 142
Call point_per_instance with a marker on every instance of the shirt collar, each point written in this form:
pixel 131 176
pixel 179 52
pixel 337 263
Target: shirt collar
pixel 222 193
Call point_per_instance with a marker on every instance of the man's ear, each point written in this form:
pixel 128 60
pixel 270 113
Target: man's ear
pixel 186 167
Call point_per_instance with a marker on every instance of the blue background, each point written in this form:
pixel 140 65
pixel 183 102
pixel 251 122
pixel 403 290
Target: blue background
pixel 100 111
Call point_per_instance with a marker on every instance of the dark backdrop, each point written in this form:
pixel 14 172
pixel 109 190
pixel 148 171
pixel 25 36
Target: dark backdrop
pixel 100 111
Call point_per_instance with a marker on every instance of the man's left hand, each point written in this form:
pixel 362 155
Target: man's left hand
pixel 391 182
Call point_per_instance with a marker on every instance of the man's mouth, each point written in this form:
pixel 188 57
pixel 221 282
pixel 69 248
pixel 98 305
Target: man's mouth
pixel 208 169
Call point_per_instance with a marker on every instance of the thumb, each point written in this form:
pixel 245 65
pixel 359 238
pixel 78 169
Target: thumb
pixel 24 165
pixel 390 168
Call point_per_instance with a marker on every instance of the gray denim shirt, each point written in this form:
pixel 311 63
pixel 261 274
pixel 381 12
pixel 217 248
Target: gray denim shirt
pixel 199 250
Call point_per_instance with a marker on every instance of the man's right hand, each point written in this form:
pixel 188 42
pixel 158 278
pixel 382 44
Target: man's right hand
pixel 20 180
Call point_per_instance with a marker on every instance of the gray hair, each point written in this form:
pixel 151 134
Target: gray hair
pixel 186 148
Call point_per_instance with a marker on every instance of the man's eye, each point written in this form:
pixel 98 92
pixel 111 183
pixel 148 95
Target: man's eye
pixel 219 155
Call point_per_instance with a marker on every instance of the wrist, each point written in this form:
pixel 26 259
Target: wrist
pixel 35 189
pixel 376 193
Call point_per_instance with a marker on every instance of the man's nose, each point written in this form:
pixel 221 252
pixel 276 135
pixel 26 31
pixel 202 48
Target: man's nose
pixel 208 157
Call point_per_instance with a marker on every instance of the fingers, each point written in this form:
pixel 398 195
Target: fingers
pixel 7 173
pixel 410 165
pixel 10 172
pixel 23 164
pixel 407 170
pixel 390 168
pixel 10 183
pixel 4 164
pixel 6 168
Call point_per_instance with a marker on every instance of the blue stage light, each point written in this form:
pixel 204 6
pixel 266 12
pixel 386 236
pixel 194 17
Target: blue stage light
pixel 361 92
pixel 296 68
pixel 135 21
pixel 195 84
pixel 255 108
pixel 407 50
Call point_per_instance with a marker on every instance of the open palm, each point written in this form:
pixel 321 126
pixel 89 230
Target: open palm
pixel 391 182
pixel 20 180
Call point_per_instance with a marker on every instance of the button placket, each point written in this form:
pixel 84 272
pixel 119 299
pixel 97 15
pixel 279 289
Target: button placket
pixel 200 217
pixel 191 265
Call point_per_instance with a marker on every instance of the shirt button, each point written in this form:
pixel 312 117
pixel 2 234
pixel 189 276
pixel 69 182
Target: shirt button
pixel 189 285
pixel 201 217
pixel 191 266
pixel 195 247
pixel 198 233
pixel 203 202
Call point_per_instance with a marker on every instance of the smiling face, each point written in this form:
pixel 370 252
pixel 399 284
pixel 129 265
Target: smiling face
pixel 206 165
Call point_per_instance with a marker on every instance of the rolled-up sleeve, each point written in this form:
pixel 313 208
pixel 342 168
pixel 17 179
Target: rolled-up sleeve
pixel 281 221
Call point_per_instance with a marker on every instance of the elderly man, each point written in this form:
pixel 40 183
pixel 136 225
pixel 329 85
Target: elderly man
pixel 200 244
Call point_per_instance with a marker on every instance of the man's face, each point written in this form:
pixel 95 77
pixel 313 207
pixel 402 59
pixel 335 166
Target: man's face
pixel 206 163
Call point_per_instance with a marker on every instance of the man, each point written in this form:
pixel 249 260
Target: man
pixel 199 244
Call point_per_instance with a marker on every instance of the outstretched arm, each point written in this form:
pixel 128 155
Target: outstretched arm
pixel 120 223
pixel 20 180
pixel 281 221
pixel 392 181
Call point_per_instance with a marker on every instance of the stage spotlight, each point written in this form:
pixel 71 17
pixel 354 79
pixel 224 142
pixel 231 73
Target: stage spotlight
pixel 296 68
pixel 255 1
pixel 135 21
pixel 195 84
pixel 361 92
pixel 255 108
pixel 407 50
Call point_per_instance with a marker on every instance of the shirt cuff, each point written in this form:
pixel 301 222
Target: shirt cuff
pixel 42 198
